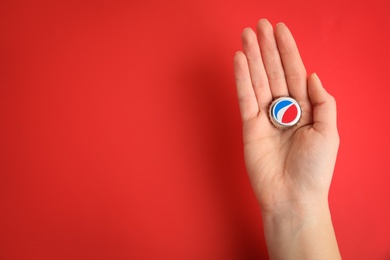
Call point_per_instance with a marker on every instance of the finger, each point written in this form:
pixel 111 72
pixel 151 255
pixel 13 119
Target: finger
pixel 324 105
pixel 292 63
pixel 256 68
pixel 245 93
pixel 271 59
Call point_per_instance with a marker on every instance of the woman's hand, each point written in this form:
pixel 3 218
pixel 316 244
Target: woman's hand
pixel 290 170
pixel 284 166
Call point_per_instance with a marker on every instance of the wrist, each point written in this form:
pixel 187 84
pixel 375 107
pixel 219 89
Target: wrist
pixel 298 210
pixel 301 230
pixel 294 218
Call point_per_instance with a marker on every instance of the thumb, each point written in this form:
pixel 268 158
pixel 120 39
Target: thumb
pixel 324 105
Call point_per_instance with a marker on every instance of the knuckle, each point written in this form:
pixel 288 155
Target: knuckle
pixel 332 99
pixel 275 75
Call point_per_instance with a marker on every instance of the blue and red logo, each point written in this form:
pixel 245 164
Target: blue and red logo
pixel 286 111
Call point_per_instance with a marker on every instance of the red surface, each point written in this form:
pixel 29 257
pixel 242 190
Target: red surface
pixel 120 134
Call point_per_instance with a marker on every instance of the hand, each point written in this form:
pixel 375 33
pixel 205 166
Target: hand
pixel 294 166
pixel 290 170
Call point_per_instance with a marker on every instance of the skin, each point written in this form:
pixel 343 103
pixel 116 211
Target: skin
pixel 290 170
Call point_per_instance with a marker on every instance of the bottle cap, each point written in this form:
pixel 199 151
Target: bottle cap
pixel 285 112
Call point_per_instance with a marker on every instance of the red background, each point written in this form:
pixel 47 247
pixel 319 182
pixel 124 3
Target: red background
pixel 120 134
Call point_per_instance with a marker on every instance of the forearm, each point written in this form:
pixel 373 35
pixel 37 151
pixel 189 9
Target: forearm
pixel 303 232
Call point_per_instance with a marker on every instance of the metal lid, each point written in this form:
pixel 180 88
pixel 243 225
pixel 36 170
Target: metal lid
pixel 285 112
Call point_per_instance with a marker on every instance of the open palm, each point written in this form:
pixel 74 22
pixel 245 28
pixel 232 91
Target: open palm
pixel 293 165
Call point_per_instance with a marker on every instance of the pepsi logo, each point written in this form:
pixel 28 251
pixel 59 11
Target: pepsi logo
pixel 285 111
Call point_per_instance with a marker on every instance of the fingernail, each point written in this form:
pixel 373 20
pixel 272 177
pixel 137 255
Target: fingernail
pixel 280 23
pixel 315 76
pixel 263 22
